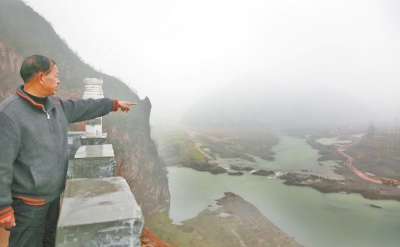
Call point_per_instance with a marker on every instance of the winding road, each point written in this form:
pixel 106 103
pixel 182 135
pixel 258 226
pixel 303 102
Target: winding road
pixel 355 170
pixel 192 135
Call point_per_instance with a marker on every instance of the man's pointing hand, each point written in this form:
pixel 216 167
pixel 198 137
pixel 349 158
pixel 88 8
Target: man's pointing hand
pixel 125 105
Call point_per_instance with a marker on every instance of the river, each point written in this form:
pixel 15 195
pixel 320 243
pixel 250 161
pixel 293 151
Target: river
pixel 314 219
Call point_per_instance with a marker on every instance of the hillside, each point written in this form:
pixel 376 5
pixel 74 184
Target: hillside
pixel 259 100
pixel 23 33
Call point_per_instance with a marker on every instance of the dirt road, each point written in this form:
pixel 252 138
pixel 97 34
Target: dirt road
pixel 355 170
pixel 203 152
pixel 193 134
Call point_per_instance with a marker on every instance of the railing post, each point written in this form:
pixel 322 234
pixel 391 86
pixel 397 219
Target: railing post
pixel 94 90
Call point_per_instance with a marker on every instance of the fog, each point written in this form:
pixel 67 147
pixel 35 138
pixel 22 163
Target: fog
pixel 177 52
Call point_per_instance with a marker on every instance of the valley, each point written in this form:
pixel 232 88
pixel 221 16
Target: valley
pixel 304 166
pixel 204 146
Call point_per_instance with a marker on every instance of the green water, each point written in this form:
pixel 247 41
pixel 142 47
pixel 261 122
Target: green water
pixel 314 219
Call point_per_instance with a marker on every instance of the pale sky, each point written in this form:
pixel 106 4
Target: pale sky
pixel 178 51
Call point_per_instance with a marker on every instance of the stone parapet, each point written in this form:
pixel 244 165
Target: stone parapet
pixel 99 212
pixel 89 140
pixel 93 161
pixel 74 142
pixel 97 208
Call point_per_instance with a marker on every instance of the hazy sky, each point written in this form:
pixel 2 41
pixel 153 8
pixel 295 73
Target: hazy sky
pixel 178 51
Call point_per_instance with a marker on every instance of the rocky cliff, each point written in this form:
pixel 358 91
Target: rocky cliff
pixel 23 33
pixel 10 62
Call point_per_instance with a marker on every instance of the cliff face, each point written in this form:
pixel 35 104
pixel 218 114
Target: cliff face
pixel 23 33
pixel 10 62
pixel 137 159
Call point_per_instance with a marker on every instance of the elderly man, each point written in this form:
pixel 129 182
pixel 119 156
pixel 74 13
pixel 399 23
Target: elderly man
pixel 34 151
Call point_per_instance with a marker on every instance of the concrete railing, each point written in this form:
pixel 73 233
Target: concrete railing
pixel 97 208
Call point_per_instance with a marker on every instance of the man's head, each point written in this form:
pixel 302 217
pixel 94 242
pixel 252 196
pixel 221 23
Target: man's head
pixel 41 74
pixel 33 65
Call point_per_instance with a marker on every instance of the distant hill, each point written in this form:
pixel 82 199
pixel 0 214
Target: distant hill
pixel 259 100
pixel 23 32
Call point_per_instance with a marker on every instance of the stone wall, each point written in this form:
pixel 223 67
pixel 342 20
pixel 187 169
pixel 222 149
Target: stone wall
pixel 98 209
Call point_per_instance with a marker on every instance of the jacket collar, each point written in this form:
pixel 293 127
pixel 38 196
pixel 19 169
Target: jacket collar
pixel 50 103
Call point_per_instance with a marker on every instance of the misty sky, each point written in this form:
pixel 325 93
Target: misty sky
pixel 178 51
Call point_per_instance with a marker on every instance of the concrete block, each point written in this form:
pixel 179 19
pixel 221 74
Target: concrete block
pixel 99 212
pixel 94 140
pixel 93 161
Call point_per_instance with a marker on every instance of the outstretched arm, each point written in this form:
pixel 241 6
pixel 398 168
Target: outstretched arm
pixel 83 109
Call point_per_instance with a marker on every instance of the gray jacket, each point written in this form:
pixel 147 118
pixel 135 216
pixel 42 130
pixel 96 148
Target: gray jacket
pixel 34 145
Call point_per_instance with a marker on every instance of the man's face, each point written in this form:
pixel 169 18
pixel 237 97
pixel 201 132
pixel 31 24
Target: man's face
pixel 50 81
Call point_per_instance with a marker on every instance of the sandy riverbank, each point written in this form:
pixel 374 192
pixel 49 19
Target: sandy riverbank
pixel 355 179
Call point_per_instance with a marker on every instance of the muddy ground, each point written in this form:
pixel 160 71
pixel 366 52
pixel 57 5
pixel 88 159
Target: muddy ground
pixel 365 160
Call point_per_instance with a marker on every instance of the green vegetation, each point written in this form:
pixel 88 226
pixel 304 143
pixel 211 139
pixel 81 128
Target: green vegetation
pixel 161 225
pixel 378 151
pixel 228 149
pixel 176 147
pixel 197 148
pixel 238 143
pixel 385 140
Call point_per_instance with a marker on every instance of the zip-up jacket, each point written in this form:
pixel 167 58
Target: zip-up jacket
pixel 34 145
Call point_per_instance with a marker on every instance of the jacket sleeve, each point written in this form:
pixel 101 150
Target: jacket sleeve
pixel 84 109
pixel 9 145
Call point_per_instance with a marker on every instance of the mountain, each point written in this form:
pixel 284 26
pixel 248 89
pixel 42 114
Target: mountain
pixel 259 100
pixel 23 33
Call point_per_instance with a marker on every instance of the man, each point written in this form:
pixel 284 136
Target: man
pixel 34 151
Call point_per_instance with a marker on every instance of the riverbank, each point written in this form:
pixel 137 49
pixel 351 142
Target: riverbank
pixel 347 166
pixel 313 218
pixel 356 173
pixel 231 222
pixel 352 184
pixel 199 150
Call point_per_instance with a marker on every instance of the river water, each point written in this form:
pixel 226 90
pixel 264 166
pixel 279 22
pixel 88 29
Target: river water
pixel 314 219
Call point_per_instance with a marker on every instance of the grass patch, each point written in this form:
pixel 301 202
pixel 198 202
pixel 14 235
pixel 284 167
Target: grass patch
pixel 161 225
pixel 176 148
pixel 238 143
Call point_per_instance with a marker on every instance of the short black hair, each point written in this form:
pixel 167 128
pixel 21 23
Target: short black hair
pixel 35 64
